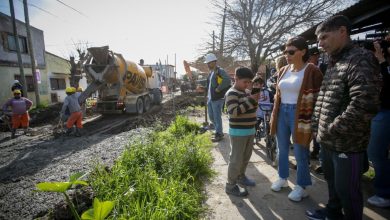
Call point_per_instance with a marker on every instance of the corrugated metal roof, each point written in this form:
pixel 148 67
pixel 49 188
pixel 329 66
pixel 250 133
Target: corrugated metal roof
pixel 365 15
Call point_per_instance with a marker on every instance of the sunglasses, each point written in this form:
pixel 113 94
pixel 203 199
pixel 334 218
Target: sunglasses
pixel 290 52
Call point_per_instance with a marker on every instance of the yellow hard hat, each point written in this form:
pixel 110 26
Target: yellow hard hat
pixel 17 91
pixel 73 89
pixel 69 89
pixel 79 89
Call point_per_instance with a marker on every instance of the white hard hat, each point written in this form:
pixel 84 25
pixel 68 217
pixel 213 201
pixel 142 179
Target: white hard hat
pixel 210 58
pixel 16 81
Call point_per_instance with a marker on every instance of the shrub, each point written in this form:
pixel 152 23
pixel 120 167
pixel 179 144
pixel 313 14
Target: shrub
pixel 160 177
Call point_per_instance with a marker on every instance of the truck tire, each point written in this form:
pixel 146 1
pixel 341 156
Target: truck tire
pixel 139 106
pixel 147 103
pixel 157 96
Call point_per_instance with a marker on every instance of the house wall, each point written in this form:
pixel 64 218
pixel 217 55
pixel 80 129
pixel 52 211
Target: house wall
pixel 8 77
pixel 9 66
pixel 9 58
pixel 58 68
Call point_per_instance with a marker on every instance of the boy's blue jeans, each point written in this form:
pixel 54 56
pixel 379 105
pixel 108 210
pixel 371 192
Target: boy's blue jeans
pixel 378 152
pixel 285 127
pixel 214 109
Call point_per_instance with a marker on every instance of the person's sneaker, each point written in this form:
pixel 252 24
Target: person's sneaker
pixel 235 190
pixel 319 214
pixel 211 127
pixel 278 184
pixel 322 214
pixel 246 181
pixel 319 170
pixel 217 137
pixel 379 201
pixel 297 194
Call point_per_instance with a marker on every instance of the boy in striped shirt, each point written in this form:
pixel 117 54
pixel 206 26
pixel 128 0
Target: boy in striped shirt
pixel 241 108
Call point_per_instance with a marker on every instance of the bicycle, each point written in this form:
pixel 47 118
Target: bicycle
pixel 270 142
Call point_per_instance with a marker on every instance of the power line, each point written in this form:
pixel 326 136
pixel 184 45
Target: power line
pixel 35 6
pixel 72 8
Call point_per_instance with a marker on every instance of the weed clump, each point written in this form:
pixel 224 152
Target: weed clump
pixel 159 177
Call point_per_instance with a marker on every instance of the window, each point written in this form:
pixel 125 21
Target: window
pixel 29 81
pixel 57 84
pixel 11 45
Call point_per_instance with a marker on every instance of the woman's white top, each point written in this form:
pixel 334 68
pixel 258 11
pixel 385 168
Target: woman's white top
pixel 290 85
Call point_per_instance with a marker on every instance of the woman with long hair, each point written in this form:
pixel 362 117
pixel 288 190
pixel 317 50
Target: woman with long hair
pixel 297 87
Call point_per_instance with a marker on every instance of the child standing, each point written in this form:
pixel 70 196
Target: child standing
pixel 241 108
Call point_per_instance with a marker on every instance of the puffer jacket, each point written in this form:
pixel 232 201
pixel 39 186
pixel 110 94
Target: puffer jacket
pixel 347 101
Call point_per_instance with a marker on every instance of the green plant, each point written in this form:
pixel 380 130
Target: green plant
pixel 100 209
pixel 159 176
pixel 62 187
pixel 42 105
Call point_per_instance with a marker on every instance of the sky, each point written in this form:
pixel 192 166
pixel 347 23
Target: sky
pixel 149 29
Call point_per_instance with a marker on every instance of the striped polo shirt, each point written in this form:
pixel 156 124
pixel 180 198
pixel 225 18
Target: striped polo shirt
pixel 242 112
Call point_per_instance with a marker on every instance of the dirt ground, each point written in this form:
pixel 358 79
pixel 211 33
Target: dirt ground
pixel 41 156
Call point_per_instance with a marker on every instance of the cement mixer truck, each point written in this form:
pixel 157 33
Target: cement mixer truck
pixel 123 86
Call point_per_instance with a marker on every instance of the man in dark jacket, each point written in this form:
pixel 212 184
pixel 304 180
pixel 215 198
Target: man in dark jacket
pixel 218 82
pixel 347 101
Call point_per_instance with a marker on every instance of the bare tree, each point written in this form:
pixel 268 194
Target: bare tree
pixel 256 28
pixel 76 65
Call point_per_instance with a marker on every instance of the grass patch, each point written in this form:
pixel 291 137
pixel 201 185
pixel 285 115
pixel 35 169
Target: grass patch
pixel 159 177
pixel 41 106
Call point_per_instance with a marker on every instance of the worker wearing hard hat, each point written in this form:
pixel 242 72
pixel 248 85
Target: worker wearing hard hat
pixel 71 102
pixel 20 107
pixel 17 86
pixel 218 82
pixel 82 105
pixel 79 90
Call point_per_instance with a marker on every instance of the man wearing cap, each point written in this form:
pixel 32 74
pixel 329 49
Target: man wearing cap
pixel 314 58
pixel 20 107
pixel 218 82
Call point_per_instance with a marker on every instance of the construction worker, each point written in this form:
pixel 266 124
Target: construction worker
pixel 20 107
pixel 79 90
pixel 76 115
pixel 16 86
pixel 82 105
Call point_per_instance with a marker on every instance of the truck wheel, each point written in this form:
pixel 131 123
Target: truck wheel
pixel 147 103
pixel 157 96
pixel 140 106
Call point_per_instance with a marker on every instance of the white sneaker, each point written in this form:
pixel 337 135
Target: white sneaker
pixel 297 194
pixel 278 184
pixel 379 201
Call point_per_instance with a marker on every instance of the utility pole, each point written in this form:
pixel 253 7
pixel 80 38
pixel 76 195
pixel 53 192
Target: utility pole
pixel 223 31
pixel 31 51
pixel 16 38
